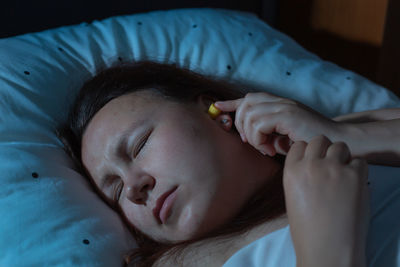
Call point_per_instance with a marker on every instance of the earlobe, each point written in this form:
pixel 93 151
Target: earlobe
pixel 225 121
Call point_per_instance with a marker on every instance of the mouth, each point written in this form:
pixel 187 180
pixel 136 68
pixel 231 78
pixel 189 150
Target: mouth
pixel 164 205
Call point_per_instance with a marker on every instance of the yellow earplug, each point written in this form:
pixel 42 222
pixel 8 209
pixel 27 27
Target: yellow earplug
pixel 213 111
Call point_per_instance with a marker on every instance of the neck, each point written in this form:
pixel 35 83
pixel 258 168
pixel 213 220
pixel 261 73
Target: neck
pixel 272 169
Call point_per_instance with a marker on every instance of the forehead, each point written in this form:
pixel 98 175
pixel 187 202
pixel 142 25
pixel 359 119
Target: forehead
pixel 108 124
pixel 112 115
pixel 110 118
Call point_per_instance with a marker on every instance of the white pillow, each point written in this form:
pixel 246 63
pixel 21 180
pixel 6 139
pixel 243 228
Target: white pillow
pixel 50 214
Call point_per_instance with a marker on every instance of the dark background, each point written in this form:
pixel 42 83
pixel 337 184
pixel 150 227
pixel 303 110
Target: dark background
pixel 24 16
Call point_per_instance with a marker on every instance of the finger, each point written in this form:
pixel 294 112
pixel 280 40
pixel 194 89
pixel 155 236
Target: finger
pixel 228 105
pixel 254 103
pixel 269 118
pixel 340 152
pixel 318 146
pixel 276 143
pixel 263 136
pixel 242 112
pixel 296 152
pixel 282 144
pixel 361 165
pixel 264 96
pixel 267 148
pixel 257 123
pixel 271 95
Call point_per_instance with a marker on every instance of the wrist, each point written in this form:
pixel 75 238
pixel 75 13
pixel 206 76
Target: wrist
pixel 349 133
pixel 333 257
pixel 377 142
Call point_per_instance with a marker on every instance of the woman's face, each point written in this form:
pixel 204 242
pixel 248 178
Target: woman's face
pixel 169 145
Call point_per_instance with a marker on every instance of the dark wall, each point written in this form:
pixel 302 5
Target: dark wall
pixel 25 16
pixel 377 63
pixel 389 71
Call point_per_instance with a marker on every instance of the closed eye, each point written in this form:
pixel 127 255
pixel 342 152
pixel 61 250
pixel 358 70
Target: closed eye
pixel 118 192
pixel 119 188
pixel 142 143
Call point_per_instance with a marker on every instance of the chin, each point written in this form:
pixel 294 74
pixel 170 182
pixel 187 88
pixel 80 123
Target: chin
pixel 189 224
pixel 196 226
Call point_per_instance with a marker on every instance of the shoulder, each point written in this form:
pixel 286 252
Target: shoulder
pixel 215 252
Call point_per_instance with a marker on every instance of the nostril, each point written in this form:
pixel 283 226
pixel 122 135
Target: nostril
pixel 144 188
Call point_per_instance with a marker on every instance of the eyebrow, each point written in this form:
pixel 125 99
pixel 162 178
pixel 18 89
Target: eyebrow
pixel 120 150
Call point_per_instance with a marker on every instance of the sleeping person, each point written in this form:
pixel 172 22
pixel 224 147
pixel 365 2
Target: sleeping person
pixel 194 189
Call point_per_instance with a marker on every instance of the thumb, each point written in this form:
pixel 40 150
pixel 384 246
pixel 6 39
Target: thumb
pixel 276 143
pixel 282 144
pixel 267 148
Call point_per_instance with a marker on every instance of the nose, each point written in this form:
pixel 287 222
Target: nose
pixel 137 190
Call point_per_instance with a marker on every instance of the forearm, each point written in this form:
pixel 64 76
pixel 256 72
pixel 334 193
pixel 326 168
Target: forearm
pixel 326 262
pixel 370 115
pixel 378 142
pixel 341 260
pixel 339 251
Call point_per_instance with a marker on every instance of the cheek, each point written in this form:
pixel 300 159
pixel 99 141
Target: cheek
pixel 139 216
pixel 177 149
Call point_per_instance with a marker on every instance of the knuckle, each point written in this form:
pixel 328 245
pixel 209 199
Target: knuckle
pixel 358 170
pixel 353 174
pixel 300 143
pixel 289 110
pixel 341 145
pixel 256 125
pixel 250 95
pixel 359 163
pixel 237 123
pixel 320 138
pixel 251 122
pixel 290 105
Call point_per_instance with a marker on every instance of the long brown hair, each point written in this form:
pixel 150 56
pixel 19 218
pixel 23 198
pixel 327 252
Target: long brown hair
pixel 175 84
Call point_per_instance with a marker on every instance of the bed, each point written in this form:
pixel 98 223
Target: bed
pixel 50 214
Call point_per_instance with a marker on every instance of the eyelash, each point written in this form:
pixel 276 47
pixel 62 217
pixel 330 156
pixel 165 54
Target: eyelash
pixel 142 144
pixel 118 190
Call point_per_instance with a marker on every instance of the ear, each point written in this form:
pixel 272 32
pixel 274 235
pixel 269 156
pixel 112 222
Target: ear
pixel 204 101
pixel 224 120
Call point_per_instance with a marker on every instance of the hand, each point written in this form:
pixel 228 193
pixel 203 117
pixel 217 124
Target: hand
pixel 327 202
pixel 260 115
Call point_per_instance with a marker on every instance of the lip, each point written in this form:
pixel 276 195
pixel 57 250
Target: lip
pixel 160 205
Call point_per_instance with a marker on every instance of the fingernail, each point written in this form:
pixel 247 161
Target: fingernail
pixel 263 151
pixel 241 136
pixel 266 151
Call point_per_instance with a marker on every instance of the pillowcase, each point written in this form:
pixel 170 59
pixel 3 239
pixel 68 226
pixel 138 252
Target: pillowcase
pixel 50 214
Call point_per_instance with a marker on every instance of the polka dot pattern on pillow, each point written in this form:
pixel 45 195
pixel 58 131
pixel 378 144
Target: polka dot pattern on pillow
pixel 50 214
